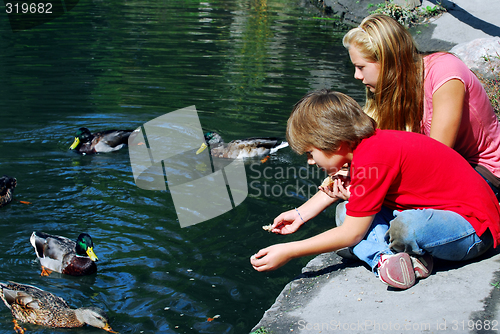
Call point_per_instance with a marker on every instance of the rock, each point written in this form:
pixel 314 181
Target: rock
pixel 481 55
pixel 351 12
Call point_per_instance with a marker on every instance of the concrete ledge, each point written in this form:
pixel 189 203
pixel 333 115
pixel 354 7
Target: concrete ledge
pixel 336 295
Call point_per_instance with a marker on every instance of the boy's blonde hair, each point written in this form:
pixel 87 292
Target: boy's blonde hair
pixel 397 102
pixel 324 119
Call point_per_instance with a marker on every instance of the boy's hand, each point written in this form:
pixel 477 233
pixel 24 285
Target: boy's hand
pixel 339 190
pixel 287 223
pixel 270 258
pixel 337 186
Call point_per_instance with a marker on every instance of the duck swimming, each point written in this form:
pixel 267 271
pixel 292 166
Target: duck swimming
pixel 100 142
pixel 7 185
pixel 63 255
pixel 36 306
pixel 240 148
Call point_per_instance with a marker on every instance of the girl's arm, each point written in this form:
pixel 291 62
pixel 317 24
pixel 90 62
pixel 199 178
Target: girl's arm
pixel 350 233
pixel 447 104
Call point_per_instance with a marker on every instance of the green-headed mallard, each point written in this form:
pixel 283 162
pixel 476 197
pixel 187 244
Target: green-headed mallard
pixel 63 255
pixel 33 305
pixel 99 142
pixel 7 185
pixel 240 148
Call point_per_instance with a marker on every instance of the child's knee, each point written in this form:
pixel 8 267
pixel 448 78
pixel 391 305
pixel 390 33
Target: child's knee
pixel 340 213
pixel 398 233
pixel 402 238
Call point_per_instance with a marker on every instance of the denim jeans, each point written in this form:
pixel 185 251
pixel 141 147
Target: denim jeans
pixel 443 234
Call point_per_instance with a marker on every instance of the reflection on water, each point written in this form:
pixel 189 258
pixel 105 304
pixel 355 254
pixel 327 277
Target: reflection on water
pixel 118 64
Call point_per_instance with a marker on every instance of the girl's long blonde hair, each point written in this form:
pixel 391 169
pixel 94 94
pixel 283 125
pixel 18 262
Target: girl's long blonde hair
pixel 397 102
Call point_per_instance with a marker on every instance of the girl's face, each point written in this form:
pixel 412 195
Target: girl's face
pixel 366 71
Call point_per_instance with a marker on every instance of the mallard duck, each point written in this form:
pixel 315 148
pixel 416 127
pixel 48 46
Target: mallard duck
pixel 99 142
pixel 36 306
pixel 240 148
pixel 63 255
pixel 7 185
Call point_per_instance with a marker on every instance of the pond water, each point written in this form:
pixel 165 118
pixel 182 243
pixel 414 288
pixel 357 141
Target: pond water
pixel 119 64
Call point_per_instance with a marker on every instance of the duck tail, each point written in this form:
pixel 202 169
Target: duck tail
pixel 37 240
pixel 279 147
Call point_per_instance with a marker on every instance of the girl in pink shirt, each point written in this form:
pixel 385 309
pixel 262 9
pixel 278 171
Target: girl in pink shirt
pixel 436 95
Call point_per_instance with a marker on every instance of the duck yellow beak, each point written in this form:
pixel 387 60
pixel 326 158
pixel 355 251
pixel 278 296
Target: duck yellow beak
pixel 75 143
pixel 202 148
pixel 91 254
pixel 108 328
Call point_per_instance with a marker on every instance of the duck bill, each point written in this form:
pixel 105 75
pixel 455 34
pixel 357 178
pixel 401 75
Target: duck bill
pixel 108 328
pixel 91 254
pixel 202 148
pixel 75 144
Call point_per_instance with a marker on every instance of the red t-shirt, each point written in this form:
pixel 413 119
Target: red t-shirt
pixel 404 170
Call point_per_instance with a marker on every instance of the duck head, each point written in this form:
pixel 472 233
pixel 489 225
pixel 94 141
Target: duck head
pixel 83 135
pixel 85 246
pixel 211 138
pixel 95 317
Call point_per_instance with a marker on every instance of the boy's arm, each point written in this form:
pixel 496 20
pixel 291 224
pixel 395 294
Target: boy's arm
pixel 350 233
pixel 290 221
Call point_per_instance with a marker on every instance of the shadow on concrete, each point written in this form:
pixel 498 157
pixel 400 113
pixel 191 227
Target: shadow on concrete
pixel 464 16
pixel 335 264
pixel 335 268
pixel 443 265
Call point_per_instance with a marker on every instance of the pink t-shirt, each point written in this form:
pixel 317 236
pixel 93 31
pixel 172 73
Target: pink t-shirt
pixel 478 139
pixel 405 170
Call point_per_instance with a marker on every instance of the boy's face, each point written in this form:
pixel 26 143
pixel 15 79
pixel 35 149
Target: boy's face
pixel 366 71
pixel 327 161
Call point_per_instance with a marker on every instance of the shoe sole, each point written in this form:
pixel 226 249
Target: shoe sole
pixel 397 271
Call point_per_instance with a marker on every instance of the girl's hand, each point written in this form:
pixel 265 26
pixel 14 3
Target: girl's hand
pixel 271 258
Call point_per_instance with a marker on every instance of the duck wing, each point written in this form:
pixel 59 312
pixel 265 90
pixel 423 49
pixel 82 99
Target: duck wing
pixel 113 138
pixel 52 250
pixel 248 148
pixel 28 296
pixel 33 305
pixel 269 142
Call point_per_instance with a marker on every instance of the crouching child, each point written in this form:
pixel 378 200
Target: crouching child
pixel 411 198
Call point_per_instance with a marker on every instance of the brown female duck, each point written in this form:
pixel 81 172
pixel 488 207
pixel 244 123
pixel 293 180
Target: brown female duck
pixel 33 305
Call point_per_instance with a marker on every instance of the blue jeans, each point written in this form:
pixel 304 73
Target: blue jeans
pixel 443 234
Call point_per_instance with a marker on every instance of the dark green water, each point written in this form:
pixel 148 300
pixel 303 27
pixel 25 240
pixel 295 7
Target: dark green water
pixel 119 64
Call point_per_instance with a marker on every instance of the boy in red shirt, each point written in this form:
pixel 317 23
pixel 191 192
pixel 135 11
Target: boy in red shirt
pixel 411 198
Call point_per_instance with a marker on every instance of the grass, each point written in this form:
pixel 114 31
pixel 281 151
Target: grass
pixel 408 17
pixel 261 330
pixel 492 85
